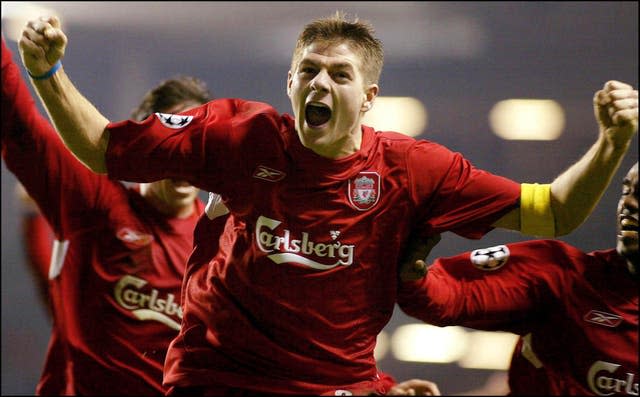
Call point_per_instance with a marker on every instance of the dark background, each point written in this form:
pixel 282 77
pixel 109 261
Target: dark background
pixel 458 58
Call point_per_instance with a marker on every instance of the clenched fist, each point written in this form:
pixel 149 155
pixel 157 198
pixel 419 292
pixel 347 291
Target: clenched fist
pixel 42 44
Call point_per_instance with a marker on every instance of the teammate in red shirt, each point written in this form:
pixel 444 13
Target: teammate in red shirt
pixel 37 239
pixel 321 208
pixel 119 256
pixel 577 312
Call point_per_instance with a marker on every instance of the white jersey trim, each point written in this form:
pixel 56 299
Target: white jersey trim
pixel 58 254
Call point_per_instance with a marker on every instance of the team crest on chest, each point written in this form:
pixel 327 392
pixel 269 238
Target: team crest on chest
pixel 364 190
pixel 133 238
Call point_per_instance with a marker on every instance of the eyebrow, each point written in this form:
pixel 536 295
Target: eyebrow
pixel 342 65
pixel 339 65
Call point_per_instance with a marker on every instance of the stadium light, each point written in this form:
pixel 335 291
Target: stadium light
pixel 16 14
pixel 405 115
pixel 527 119
pixel 382 346
pixel 428 343
pixel 488 350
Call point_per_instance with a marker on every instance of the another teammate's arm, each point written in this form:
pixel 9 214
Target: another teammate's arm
pixel 79 123
pixel 454 292
pixel 575 192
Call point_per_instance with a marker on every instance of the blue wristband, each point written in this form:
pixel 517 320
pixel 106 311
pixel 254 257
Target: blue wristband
pixel 50 73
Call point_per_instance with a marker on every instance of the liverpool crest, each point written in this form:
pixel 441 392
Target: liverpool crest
pixel 364 190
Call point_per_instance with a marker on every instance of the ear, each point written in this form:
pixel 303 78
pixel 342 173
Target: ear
pixel 289 82
pixel 370 94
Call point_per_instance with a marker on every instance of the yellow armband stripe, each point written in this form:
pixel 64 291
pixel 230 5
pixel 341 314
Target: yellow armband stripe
pixel 536 215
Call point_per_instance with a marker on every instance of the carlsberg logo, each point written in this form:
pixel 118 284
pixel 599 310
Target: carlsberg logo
pixel 285 248
pixel 147 306
pixel 604 382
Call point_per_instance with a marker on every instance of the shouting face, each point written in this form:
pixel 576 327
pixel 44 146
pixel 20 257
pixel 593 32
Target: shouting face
pixel 329 98
pixel 627 217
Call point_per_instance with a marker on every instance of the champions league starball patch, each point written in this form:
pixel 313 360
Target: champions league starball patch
pixel 174 121
pixel 489 259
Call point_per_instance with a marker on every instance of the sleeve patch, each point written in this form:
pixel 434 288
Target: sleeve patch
pixel 174 121
pixel 490 259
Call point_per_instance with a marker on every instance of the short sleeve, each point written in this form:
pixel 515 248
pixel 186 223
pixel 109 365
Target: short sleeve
pixel 454 195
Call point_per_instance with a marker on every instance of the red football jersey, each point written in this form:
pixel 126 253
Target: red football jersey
pixel 117 264
pixel 37 238
pixel 577 313
pixel 304 277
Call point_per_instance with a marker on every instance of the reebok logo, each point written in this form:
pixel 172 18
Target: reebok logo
pixel 603 318
pixel 268 174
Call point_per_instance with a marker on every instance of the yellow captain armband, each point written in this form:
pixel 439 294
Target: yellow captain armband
pixel 536 215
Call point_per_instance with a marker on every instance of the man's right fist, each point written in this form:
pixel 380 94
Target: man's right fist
pixel 42 44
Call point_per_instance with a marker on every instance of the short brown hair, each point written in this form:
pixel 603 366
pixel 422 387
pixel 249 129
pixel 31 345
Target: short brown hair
pixel 170 93
pixel 336 28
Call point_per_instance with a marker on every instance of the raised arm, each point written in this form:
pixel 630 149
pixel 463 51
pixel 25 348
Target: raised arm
pixel 493 288
pixel 81 126
pixel 575 193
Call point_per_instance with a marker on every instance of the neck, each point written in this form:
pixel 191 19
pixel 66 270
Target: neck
pixel 336 150
pixel 163 206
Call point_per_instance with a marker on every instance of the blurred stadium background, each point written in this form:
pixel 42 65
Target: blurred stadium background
pixel 474 76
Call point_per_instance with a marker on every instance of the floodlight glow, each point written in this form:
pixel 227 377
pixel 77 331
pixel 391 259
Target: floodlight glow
pixel 489 350
pixel 382 346
pixel 16 14
pixel 527 119
pixel 405 115
pixel 427 343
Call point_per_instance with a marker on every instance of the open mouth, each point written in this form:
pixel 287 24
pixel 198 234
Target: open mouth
pixel 628 227
pixel 628 224
pixel 317 114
